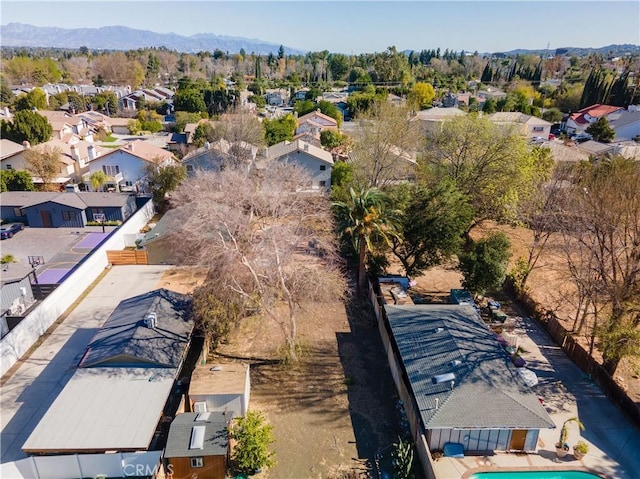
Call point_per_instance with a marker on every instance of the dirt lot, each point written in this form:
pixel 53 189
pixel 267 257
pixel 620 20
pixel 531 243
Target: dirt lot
pixel 335 409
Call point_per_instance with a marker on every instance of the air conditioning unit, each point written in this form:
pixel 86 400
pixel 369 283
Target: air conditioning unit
pixel 17 308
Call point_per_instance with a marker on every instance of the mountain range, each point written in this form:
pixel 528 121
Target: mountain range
pixel 124 38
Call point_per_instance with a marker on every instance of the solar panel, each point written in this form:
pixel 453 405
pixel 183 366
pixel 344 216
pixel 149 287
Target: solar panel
pixel 197 437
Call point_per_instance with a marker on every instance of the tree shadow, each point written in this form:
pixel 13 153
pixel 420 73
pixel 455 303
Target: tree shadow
pixel 371 391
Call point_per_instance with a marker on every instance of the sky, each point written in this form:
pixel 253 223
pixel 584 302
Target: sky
pixel 358 26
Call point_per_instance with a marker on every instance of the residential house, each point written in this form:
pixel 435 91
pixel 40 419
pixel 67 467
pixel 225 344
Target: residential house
pixel 40 209
pixel 155 94
pixel 491 93
pixel 184 141
pixel 198 445
pixel 95 121
pixel 450 100
pixel 432 119
pixel 315 161
pixel 74 156
pixel 125 382
pixel 300 95
pixel 579 121
pixel 277 97
pixel 8 148
pixel 120 126
pixel 529 126
pixel 625 123
pixel 65 124
pixel 213 156
pixel 155 242
pixel 222 387
pixel 315 123
pixel 126 166
pixel 456 381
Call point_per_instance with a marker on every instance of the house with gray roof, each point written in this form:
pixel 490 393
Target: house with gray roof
pixel 125 382
pixel 198 445
pixel 40 209
pixel 529 126
pixel 457 382
pixel 315 161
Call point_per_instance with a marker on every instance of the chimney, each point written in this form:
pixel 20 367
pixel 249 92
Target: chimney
pixel 150 320
pixel 130 146
pixel 91 151
pixel 74 153
pixel 26 145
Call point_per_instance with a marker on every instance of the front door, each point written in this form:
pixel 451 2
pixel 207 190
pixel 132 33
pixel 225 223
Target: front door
pixel 46 219
pixel 518 439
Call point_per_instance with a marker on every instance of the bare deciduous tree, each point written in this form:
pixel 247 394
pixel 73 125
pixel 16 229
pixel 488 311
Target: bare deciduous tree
pixel 262 239
pixel 243 131
pixel 44 163
pixel 601 232
pixel 384 146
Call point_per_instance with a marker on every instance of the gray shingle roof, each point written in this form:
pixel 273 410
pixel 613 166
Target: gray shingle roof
pixel 485 390
pixel 125 339
pixel 216 438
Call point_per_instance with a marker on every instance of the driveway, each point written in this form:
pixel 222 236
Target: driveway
pixel 27 394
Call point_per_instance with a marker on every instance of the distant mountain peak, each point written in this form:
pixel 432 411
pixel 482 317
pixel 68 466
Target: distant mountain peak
pixel 118 37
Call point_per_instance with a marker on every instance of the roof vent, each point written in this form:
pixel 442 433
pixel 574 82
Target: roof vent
pixel 150 320
pixel 443 378
pixel 455 362
pixel 438 330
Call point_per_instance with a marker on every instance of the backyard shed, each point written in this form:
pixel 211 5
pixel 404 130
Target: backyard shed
pixel 222 387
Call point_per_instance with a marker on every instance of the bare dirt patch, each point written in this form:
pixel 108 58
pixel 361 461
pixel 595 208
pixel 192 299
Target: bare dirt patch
pixel 334 409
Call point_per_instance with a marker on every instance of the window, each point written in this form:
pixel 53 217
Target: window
pixel 17 212
pixel 189 167
pixel 538 128
pixel 323 183
pixel 197 462
pixel 111 170
pixel 68 215
pixel 128 183
pixel 323 167
pixel 9 167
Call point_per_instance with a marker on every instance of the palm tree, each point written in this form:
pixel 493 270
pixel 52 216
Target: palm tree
pixel 98 179
pixel 365 219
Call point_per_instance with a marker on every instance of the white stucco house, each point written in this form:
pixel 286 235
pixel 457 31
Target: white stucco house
pixel 529 126
pixel 126 167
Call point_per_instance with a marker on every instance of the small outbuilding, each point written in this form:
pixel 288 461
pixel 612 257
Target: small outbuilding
pixel 220 387
pixel 198 445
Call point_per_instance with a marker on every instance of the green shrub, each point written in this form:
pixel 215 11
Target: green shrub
pixel 253 438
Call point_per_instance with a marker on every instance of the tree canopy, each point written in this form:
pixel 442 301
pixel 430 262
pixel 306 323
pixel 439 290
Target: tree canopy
pixel 28 126
pixel 490 165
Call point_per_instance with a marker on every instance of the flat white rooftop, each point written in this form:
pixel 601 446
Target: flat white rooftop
pixel 102 409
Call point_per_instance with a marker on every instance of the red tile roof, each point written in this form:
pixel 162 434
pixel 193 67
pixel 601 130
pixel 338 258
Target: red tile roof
pixel 596 111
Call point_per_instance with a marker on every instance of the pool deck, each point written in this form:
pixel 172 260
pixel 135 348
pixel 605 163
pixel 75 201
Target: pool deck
pixel 613 440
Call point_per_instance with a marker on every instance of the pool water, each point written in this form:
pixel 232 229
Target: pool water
pixel 535 475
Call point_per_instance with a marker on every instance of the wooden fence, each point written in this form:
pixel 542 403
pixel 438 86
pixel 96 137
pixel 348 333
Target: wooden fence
pixel 127 256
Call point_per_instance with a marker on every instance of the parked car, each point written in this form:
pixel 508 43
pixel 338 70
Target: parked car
pixel 8 230
pixel 582 137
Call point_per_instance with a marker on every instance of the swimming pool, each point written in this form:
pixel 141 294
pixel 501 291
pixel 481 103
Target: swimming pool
pixel 535 475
